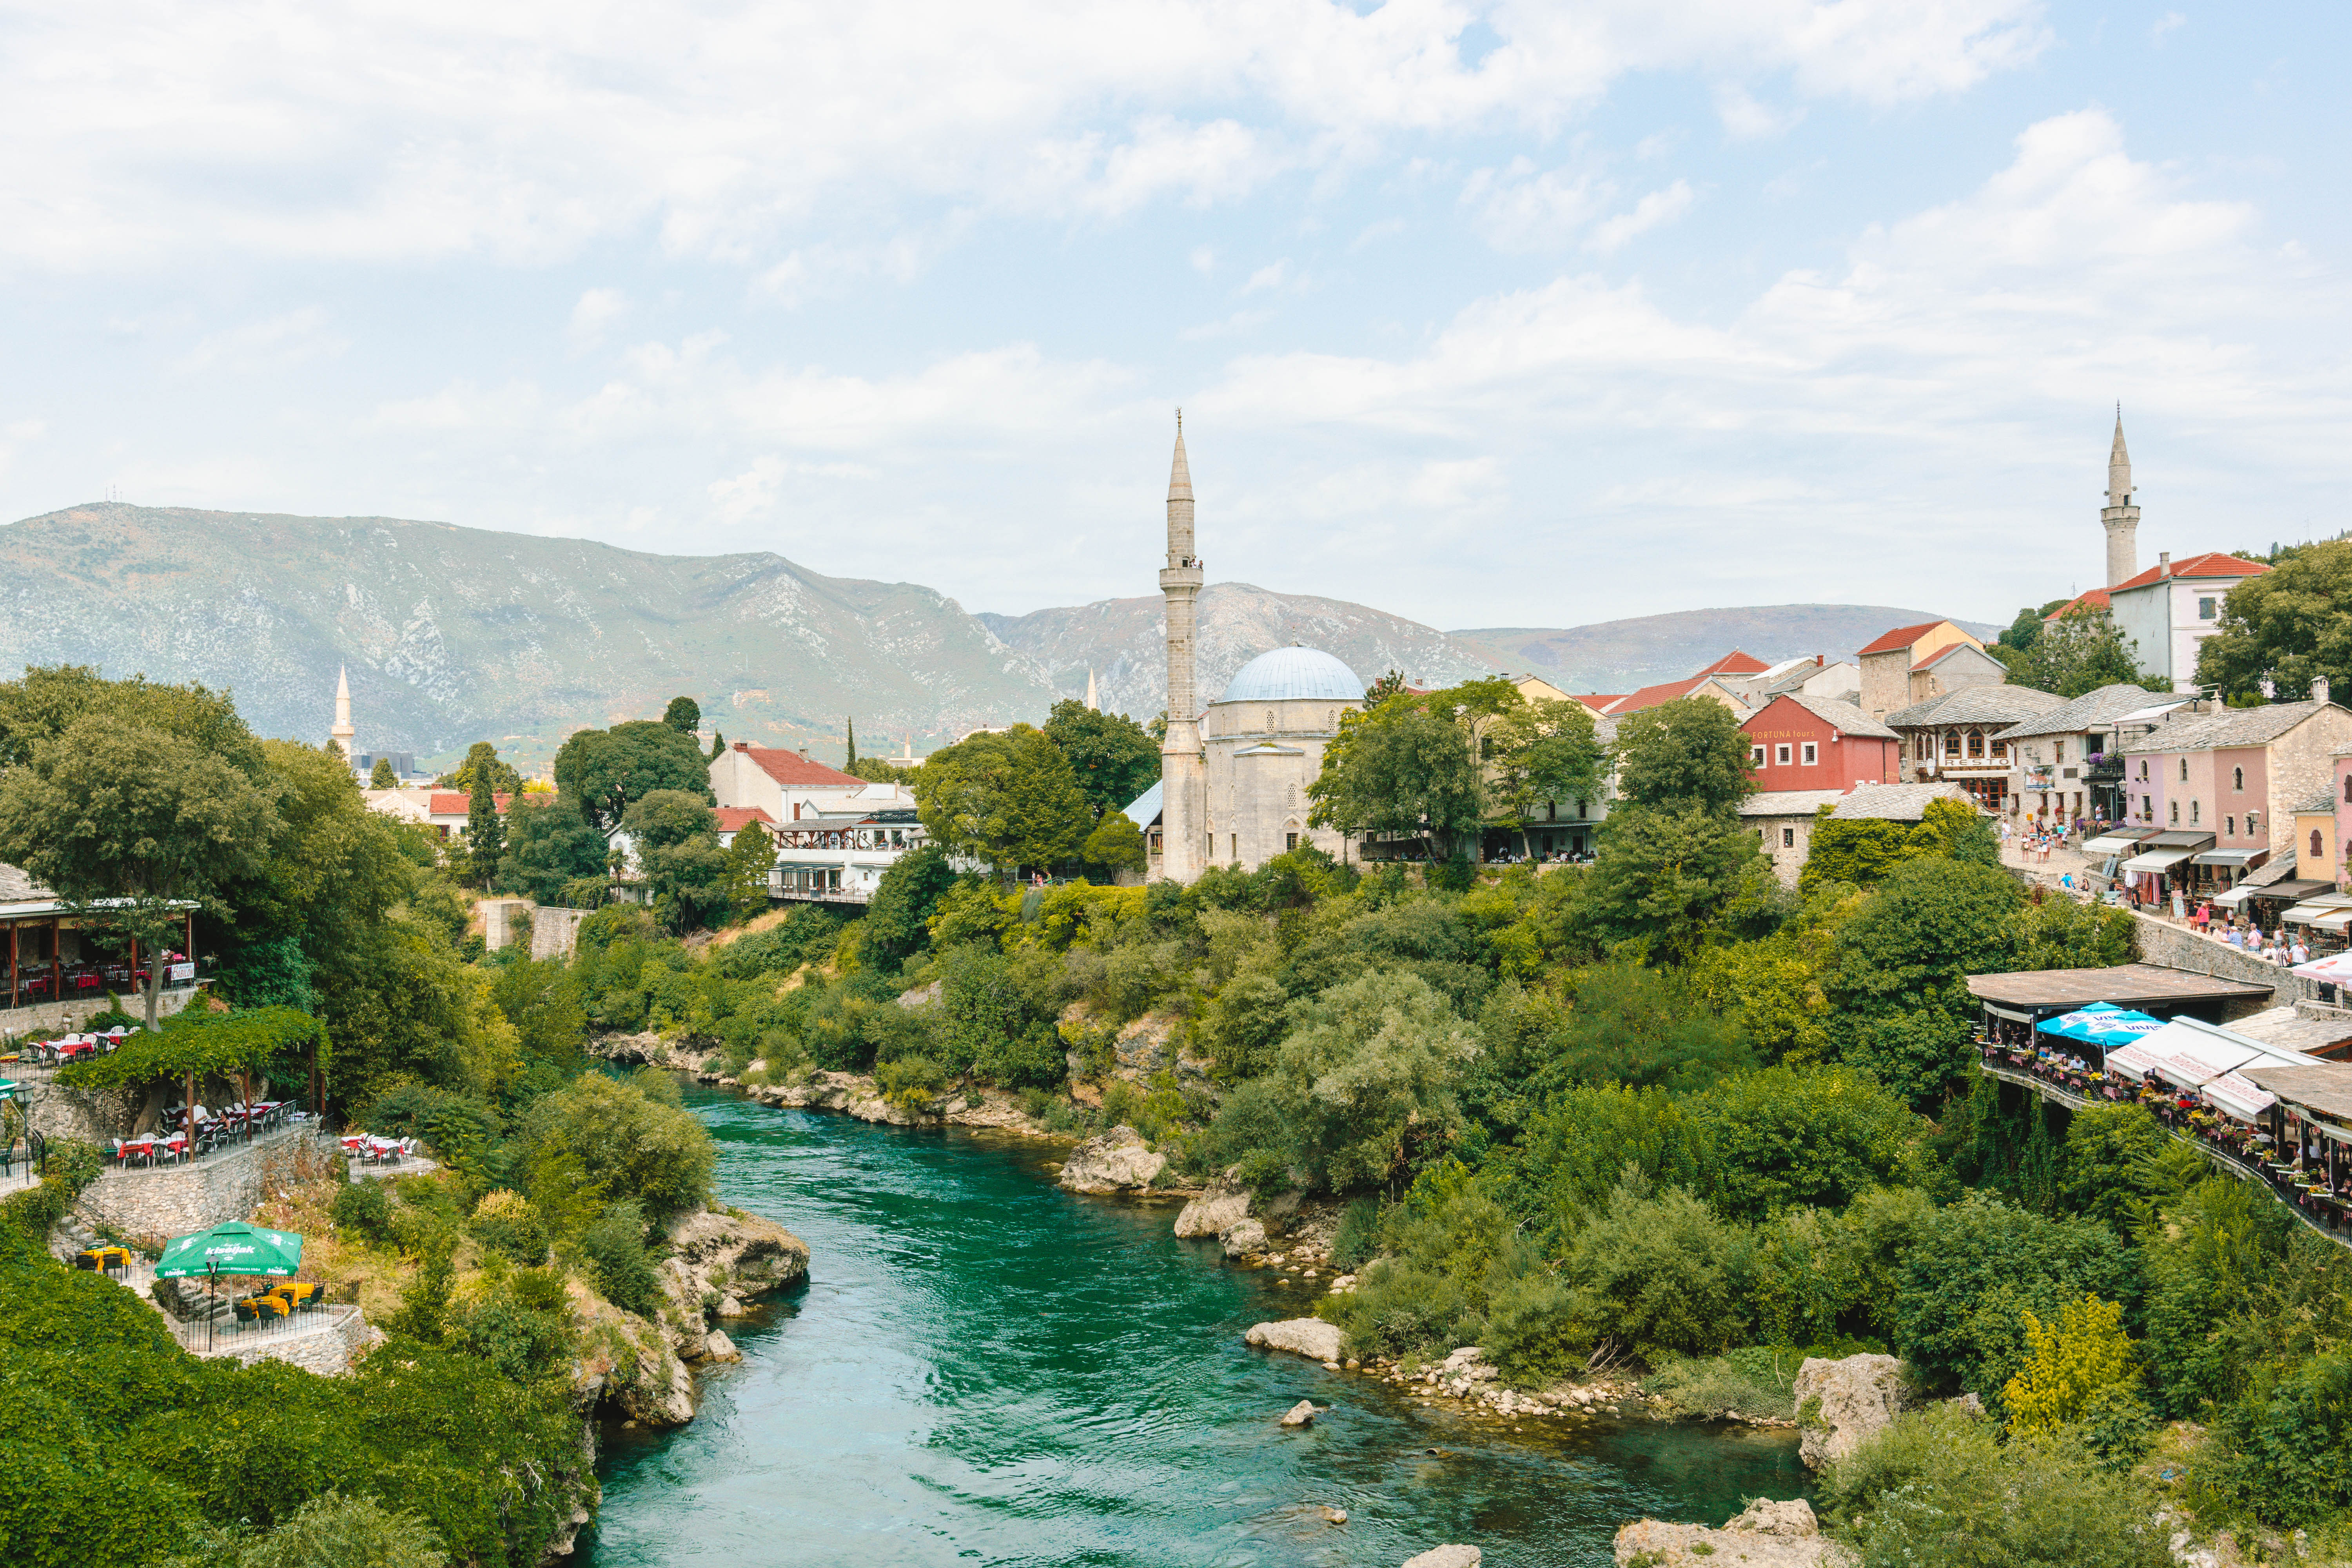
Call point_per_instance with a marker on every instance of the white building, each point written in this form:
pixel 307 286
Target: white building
pixel 836 832
pixel 2168 611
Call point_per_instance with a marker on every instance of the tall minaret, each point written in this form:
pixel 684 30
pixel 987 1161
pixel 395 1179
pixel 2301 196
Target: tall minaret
pixel 1183 777
pixel 2120 516
pixel 341 733
pixel 1093 705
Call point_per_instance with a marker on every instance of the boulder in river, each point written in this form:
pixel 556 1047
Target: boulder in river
pixel 1213 1217
pixel 1767 1535
pixel 1243 1238
pixel 1310 1337
pixel 1117 1161
pixel 1840 1404
pixel 1299 1415
pixel 1446 1557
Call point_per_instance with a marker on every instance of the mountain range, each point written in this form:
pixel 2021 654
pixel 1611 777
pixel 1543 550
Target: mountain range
pixel 453 634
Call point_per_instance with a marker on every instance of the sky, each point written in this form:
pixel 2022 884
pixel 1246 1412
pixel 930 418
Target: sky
pixel 1508 315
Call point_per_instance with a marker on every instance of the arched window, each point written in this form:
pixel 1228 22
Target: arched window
pixel 2196 808
pixel 2176 813
pixel 2237 779
pixel 1976 743
pixel 1270 725
pixel 1951 742
pixel 2315 846
pixel 2184 770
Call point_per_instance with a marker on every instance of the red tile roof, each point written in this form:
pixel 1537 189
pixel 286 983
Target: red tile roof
pixel 2212 564
pixel 794 770
pixel 1666 691
pixel 731 819
pixel 2089 599
pixel 1736 663
pixel 456 802
pixel 1900 637
pixel 1597 702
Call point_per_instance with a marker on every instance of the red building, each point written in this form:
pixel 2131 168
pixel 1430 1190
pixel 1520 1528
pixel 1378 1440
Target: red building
pixel 1795 741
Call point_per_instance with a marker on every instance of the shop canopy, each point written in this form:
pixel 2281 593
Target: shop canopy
pixel 2100 1025
pixel 2311 1085
pixel 2295 891
pixel 2229 856
pixel 2131 1061
pixel 2191 1054
pixel 2236 1097
pixel 2311 910
pixel 2115 843
pixel 2157 860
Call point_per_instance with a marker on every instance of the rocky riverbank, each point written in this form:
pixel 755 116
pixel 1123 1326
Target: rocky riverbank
pixel 851 1094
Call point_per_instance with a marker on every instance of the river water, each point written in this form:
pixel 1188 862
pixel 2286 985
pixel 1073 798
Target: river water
pixel 984 1369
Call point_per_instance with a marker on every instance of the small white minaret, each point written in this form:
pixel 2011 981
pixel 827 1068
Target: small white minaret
pixel 1092 706
pixel 341 733
pixel 2120 517
pixel 1184 773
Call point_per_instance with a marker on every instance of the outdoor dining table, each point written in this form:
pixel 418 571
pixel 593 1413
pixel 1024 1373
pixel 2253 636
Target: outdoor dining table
pixel 144 1148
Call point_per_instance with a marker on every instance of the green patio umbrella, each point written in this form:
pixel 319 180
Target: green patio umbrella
pixel 235 1247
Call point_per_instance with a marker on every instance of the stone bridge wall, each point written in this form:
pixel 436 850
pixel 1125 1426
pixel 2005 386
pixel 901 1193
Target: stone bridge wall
pixel 2177 947
pixel 152 1205
pixel 554 933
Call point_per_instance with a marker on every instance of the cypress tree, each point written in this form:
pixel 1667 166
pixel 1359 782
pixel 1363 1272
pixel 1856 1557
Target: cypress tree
pixel 851 761
pixel 486 836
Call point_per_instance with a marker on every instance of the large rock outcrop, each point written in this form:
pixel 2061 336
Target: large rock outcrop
pixel 1213 1215
pixel 1310 1337
pixel 1117 1161
pixel 1840 1404
pixel 1768 1535
pixel 720 1262
pixel 1446 1557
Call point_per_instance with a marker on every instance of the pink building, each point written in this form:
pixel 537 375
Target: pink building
pixel 2235 778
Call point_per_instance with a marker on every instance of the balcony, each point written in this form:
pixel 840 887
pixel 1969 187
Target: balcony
pixel 2105 770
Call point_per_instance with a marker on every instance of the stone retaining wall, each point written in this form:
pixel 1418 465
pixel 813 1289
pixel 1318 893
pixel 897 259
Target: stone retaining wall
pixel 154 1205
pixel 328 1350
pixel 2176 947
pixel 44 1020
pixel 554 933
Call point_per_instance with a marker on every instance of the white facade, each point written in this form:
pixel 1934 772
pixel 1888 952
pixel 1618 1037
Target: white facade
pixel 2169 617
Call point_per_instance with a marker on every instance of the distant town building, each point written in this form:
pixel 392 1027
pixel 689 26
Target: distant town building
pixel 836 832
pixel 1959 737
pixel 1905 666
pixel 2063 762
pixel 2235 777
pixel 1799 742
pixel 1783 822
pixel 2168 611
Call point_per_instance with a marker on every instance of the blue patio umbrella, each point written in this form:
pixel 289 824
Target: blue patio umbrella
pixel 2102 1024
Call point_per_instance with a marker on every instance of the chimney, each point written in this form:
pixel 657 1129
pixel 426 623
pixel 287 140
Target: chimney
pixel 2319 688
pixel 742 745
pixel 1817 661
pixel 2163 562
pixel 804 756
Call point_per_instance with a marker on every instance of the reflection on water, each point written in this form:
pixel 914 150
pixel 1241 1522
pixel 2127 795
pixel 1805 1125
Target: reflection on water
pixel 986 1369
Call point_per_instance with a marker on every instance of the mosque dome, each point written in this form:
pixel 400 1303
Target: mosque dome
pixel 1293 674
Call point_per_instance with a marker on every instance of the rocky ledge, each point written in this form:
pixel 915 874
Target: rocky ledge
pixel 1118 1162
pixel 1767 1535
pixel 720 1263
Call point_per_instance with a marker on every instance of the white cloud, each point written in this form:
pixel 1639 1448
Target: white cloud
pixel 1520 208
pixel 1657 207
pixel 1747 119
pixel 274 343
pixel 1273 275
pixel 141 133
pixel 597 310
pixel 2165 23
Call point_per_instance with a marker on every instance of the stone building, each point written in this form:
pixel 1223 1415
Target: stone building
pixel 1959 737
pixel 1782 821
pixel 1234 777
pixel 2237 775
pixel 2068 762
pixel 1905 666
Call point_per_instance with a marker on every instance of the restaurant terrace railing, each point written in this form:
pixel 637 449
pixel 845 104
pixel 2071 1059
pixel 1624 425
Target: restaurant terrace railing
pixel 2242 1154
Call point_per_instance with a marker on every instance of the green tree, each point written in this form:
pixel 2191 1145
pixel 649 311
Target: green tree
pixel 1863 851
pixel 1111 756
pixel 897 919
pixel 482 761
pixel 382 776
pixel 849 758
pixel 684 715
pixel 549 844
pixel 1115 845
pixel 1544 752
pixel 744 880
pixel 130 823
pixel 2080 652
pixel 1365 1082
pixel 332 1531
pixel 1670 879
pixel 2023 631
pixel 1811 1137
pixel 629 1137
pixel 605 770
pixel 1010 800
pixel 676 835
pixel 486 834
pixel 2286 626
pixel 1687 754
pixel 1631 1025
pixel 1899 980
pixel 1399 771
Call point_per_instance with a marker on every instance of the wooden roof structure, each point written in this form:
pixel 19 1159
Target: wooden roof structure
pixel 2142 986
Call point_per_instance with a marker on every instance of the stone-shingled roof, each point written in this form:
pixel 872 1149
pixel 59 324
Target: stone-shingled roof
pixel 17 886
pixel 2092 710
pixel 1896 803
pixel 2229 727
pixel 1978 705
pixel 2324 800
pixel 1843 711
pixel 1788 802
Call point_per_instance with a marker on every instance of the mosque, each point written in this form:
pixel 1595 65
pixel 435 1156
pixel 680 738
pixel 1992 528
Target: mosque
pixel 1233 776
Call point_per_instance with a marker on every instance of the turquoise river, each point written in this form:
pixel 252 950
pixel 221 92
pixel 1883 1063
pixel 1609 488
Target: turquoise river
pixel 984 1369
